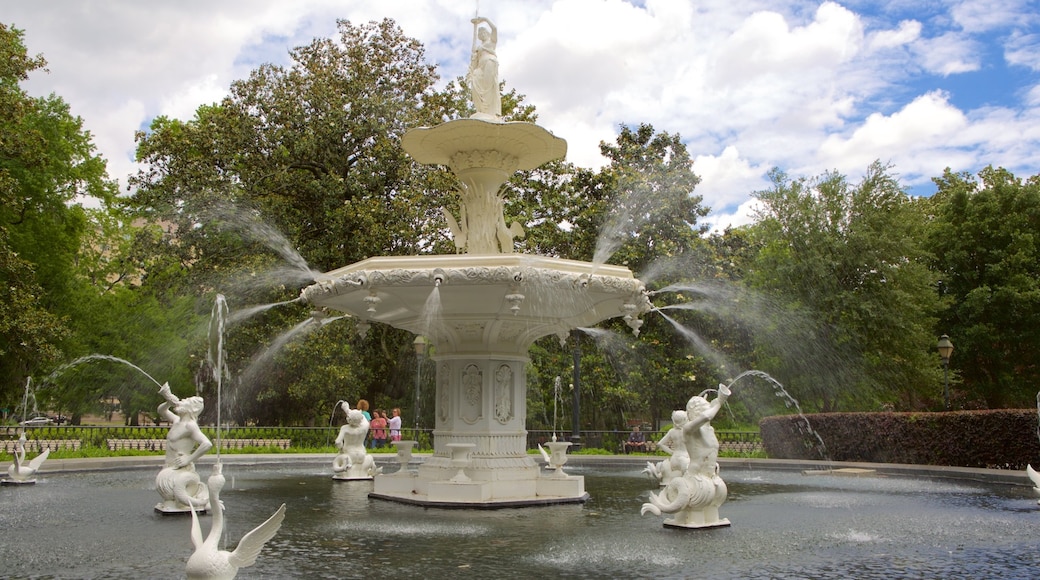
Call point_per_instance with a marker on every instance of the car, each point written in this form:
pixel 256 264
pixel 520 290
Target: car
pixel 36 421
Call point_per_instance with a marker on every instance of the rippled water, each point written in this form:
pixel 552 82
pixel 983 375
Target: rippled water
pixel 785 525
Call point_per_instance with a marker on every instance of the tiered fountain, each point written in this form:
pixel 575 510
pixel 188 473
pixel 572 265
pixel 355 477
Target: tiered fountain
pixel 481 308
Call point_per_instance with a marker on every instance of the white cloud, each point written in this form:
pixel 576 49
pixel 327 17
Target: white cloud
pixel 1023 50
pixel 749 85
pixel 948 54
pixel 908 31
pixel 985 15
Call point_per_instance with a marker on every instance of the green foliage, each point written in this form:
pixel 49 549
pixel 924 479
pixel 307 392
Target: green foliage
pixel 996 439
pixel 47 162
pixel 985 233
pixel 846 266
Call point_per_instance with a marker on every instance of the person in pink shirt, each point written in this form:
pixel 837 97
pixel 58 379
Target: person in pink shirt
pixel 378 428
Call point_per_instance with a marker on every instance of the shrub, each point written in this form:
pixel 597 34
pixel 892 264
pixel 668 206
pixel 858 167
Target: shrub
pixel 1002 438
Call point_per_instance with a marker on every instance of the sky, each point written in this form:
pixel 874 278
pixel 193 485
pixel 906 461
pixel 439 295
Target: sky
pixel 806 87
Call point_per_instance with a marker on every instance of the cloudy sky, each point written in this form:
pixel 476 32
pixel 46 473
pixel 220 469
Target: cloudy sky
pixel 749 85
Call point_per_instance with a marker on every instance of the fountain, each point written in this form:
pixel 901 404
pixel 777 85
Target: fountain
pixel 695 496
pixel 353 463
pixel 21 472
pixel 178 483
pixel 911 523
pixel 490 305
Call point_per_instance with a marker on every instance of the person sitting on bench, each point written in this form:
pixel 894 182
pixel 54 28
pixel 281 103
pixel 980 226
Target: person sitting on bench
pixel 636 441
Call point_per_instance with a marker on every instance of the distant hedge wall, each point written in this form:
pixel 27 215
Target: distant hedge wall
pixel 1001 439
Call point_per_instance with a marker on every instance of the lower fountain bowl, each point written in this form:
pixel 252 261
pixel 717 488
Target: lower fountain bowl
pixel 784 524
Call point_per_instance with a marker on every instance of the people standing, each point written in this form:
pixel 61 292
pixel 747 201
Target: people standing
pixel 362 405
pixel 395 425
pixel 378 428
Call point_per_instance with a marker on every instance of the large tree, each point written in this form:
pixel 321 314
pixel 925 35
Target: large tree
pixel 300 169
pixel 639 211
pixel 844 268
pixel 48 164
pixel 986 237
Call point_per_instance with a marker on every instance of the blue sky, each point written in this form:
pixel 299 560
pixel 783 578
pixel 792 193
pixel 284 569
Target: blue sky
pixel 751 85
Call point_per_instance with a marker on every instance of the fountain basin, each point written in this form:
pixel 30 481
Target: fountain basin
pixel 784 525
pixel 502 302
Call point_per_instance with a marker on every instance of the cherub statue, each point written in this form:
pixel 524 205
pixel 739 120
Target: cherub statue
pixel 353 461
pixel 673 444
pixel 695 497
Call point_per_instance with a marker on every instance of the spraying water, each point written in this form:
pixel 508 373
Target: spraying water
pixel 804 426
pixel 697 341
pixel 93 357
pixel 216 355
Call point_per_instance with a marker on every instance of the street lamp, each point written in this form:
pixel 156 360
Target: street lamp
pixel 945 350
pixel 420 344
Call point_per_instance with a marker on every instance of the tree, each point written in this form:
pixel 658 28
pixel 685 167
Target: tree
pixel 639 211
pixel 985 233
pixel 847 265
pixel 299 170
pixel 47 163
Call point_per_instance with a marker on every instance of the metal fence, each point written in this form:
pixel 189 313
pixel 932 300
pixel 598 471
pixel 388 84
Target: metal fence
pixel 613 441
pixel 74 437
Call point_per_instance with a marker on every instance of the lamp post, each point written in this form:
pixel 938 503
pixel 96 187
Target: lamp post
pixel 420 344
pixel 945 350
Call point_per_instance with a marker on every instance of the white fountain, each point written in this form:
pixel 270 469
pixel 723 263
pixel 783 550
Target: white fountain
pixel 490 305
pixel 353 463
pixel 22 472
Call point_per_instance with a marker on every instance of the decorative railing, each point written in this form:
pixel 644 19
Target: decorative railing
pixel 152 438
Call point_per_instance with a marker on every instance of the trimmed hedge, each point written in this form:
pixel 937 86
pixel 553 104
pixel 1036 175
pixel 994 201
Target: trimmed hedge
pixel 1000 439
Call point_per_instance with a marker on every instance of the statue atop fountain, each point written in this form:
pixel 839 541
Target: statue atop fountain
pixel 20 472
pixel 694 498
pixel 353 461
pixel 482 77
pixel 673 443
pixel 492 304
pixel 178 483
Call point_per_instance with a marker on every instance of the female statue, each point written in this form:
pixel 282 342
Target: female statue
pixel 483 70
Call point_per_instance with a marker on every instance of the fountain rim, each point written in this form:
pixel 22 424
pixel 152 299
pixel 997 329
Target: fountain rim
pixel 467 261
pixel 1015 478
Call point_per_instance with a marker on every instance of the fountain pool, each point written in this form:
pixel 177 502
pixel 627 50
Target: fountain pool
pixel 785 525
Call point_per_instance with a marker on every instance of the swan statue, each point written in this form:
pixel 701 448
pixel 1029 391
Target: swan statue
pixel 210 563
pixel 20 471
pixel 1035 478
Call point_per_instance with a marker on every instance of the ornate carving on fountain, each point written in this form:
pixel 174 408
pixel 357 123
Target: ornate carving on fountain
pixel 483 159
pixel 504 394
pixel 472 394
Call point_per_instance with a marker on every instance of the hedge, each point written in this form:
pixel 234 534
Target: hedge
pixel 1000 439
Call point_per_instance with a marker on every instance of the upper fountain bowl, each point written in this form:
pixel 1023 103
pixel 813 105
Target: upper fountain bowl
pixel 467 303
